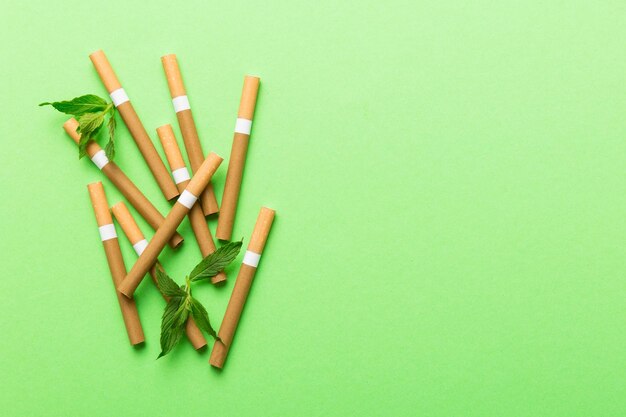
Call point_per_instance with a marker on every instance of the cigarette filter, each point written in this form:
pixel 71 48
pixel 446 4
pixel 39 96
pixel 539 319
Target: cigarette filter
pixel 188 127
pixel 139 242
pixel 115 260
pixel 176 215
pixel 242 287
pixel 122 103
pixel 122 182
pixel 237 158
pixel 181 178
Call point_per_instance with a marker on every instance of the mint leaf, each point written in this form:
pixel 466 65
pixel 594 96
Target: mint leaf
pixel 173 324
pixel 201 317
pixel 82 144
pixel 111 124
pixel 78 106
pixel 167 286
pixel 216 262
pixel 89 124
pixel 109 150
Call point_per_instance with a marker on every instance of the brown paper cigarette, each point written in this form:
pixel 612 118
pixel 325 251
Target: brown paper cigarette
pixel 137 131
pixel 237 159
pixel 122 182
pixel 115 260
pixel 181 178
pixel 242 287
pixel 139 242
pixel 176 215
pixel 188 127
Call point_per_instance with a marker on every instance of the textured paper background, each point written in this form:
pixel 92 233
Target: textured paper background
pixel 449 181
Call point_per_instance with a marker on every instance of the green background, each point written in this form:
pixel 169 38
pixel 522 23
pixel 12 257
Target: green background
pixel 449 186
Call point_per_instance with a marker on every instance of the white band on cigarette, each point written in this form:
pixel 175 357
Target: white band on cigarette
pixel 100 159
pixel 119 97
pixel 107 232
pixel 187 199
pixel 181 103
pixel 140 246
pixel 180 175
pixel 243 126
pixel 251 258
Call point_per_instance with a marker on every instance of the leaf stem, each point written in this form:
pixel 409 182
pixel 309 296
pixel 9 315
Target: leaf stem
pixel 188 286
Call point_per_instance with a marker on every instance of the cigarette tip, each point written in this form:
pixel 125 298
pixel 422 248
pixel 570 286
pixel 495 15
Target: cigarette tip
pixel 124 292
pixel 215 155
pixel 216 360
pixel 71 124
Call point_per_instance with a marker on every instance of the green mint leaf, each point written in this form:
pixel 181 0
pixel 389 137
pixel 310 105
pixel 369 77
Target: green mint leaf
pixel 201 317
pixel 82 143
pixel 109 150
pixel 79 105
pixel 167 286
pixel 89 124
pixel 173 324
pixel 111 124
pixel 82 147
pixel 216 262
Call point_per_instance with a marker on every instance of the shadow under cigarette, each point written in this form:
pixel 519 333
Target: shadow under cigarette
pixel 220 284
pixel 215 370
pixel 212 216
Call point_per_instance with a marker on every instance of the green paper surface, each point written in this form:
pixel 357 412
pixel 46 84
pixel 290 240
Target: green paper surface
pixel 449 185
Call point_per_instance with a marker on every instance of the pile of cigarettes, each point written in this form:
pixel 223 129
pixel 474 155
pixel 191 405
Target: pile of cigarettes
pixel 194 195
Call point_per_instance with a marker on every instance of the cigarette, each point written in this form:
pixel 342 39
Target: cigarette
pixel 242 287
pixel 128 189
pixel 237 158
pixel 138 132
pixel 181 178
pixel 139 242
pixel 173 219
pixel 115 260
pixel 188 127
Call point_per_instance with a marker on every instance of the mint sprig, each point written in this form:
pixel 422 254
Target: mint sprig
pixel 90 111
pixel 182 304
